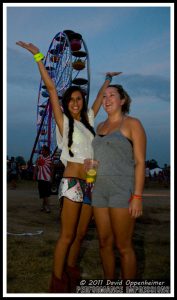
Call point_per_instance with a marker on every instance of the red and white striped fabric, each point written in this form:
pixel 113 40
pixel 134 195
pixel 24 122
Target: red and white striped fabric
pixel 44 168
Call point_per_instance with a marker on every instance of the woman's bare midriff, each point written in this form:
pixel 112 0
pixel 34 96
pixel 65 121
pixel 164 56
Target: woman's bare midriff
pixel 74 170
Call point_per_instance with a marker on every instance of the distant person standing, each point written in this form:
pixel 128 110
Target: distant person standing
pixel 13 173
pixel 57 174
pixel 43 170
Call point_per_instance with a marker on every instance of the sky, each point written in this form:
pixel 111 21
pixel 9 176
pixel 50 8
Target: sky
pixel 134 39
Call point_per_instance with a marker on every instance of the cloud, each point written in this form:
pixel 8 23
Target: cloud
pixel 20 140
pixel 91 21
pixel 150 94
pixel 137 86
pixel 148 85
pixel 21 68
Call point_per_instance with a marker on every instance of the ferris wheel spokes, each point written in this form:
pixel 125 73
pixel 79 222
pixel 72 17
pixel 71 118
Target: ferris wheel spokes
pixel 67 62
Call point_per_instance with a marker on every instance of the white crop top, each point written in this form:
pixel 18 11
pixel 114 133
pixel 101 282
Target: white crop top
pixel 82 140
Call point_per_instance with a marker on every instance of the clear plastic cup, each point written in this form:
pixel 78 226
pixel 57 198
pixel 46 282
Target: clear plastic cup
pixel 91 167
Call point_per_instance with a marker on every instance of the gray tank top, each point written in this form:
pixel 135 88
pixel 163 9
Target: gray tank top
pixel 115 154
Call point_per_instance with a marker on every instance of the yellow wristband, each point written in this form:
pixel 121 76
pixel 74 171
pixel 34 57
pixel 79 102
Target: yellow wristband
pixel 39 56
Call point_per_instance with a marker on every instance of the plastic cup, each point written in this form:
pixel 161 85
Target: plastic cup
pixel 91 166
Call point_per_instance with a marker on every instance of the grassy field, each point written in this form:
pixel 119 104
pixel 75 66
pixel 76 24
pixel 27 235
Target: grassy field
pixel 32 235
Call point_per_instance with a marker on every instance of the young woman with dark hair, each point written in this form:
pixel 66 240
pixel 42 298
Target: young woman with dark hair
pixel 74 135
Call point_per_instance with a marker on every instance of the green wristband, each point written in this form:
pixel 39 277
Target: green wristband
pixel 39 56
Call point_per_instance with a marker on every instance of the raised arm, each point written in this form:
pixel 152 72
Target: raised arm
pixel 58 114
pixel 99 98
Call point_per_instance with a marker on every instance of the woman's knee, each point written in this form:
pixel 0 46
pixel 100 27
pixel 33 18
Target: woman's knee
pixel 67 238
pixel 125 249
pixel 105 242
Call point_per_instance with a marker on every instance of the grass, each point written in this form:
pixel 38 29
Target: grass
pixel 30 258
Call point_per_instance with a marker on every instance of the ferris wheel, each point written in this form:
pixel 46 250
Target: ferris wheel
pixel 67 62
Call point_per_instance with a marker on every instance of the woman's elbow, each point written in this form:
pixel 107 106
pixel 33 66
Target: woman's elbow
pixel 140 162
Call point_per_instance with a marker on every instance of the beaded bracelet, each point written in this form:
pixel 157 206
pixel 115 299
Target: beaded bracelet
pixel 108 77
pixel 38 56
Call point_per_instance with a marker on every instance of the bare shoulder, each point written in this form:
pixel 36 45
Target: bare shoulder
pixel 132 121
pixel 133 128
pixel 99 126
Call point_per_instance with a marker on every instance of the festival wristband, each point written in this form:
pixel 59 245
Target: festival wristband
pixel 108 77
pixel 39 56
pixel 134 196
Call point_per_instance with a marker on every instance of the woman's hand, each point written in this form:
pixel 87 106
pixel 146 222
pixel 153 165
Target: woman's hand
pixel 30 47
pixel 112 74
pixel 136 208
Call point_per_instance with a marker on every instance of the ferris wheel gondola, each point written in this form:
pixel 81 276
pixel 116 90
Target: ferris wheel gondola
pixel 67 62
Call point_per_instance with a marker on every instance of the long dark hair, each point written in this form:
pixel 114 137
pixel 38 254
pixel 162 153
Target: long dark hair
pixel 84 118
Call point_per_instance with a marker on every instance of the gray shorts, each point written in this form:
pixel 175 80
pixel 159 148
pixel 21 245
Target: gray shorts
pixel 112 191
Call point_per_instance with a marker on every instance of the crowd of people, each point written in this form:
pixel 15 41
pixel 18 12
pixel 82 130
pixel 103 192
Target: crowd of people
pixel 119 144
pixel 157 175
